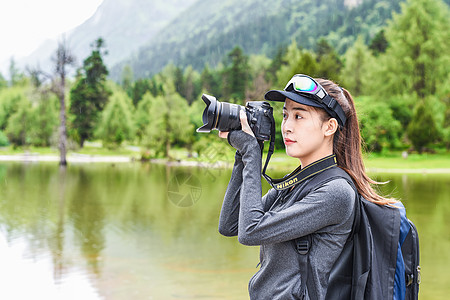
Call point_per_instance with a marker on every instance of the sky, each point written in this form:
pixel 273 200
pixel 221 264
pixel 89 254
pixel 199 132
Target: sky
pixel 25 24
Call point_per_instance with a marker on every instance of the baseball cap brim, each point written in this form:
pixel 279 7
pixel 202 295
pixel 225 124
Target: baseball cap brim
pixel 276 95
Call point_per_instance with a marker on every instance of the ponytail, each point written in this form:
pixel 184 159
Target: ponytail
pixel 347 145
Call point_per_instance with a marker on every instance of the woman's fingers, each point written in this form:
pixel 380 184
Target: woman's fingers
pixel 223 134
pixel 244 123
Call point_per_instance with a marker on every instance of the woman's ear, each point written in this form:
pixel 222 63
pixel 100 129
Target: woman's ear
pixel 330 127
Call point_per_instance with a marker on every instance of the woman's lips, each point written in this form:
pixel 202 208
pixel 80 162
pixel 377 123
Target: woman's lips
pixel 288 141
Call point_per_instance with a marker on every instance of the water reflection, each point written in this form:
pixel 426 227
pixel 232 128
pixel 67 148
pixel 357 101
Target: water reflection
pixel 115 232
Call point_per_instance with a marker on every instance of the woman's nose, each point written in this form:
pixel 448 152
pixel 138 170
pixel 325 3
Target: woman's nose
pixel 286 125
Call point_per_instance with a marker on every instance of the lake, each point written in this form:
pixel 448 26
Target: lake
pixel 149 231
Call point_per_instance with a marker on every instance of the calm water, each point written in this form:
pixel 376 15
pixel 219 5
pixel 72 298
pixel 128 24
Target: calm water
pixel 142 231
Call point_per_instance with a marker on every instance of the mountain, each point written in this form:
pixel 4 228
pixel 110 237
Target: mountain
pixel 149 34
pixel 124 25
pixel 209 29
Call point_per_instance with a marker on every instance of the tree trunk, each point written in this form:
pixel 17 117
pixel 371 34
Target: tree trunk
pixel 63 58
pixel 62 126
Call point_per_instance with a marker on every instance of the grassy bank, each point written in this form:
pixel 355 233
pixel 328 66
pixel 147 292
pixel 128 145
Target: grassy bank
pixel 413 161
pixel 279 161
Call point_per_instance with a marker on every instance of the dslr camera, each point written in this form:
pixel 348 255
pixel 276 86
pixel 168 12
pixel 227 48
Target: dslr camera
pixel 224 116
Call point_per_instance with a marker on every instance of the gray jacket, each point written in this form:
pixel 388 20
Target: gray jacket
pixel 273 222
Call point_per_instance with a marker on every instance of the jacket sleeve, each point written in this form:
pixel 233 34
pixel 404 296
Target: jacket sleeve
pixel 229 214
pixel 328 205
pixel 228 221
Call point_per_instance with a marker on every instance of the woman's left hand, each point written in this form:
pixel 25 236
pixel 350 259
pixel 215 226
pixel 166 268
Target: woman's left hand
pixel 244 124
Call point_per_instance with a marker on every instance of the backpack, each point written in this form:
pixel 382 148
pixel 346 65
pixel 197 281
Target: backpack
pixel 380 259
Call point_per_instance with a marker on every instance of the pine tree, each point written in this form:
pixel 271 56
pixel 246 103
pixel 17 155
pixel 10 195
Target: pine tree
pixel 296 61
pixel 328 62
pixel 236 75
pixel 210 82
pixel 355 74
pixel 415 65
pixel 417 58
pixel 90 94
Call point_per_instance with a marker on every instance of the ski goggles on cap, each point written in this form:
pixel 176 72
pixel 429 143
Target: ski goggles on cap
pixel 308 87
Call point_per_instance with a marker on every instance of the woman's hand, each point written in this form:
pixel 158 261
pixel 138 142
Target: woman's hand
pixel 244 123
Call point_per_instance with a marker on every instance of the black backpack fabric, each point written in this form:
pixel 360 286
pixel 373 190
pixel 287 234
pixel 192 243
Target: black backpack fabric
pixel 367 264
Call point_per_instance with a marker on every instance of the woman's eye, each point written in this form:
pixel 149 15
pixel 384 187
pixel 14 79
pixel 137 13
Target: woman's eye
pixel 298 116
pixel 284 116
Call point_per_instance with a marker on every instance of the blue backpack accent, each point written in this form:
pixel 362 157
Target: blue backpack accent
pixel 380 259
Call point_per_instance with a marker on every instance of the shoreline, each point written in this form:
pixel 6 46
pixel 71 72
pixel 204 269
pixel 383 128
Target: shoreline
pixel 71 158
pixel 86 158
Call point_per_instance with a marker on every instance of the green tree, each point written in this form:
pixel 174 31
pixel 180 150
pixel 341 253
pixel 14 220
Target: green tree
pixel 328 62
pixel 142 115
pixel 379 43
pixel 3 82
pixel 187 83
pixel 289 64
pixel 296 61
pixel 417 58
pixel 276 63
pixel 117 124
pixel 210 82
pixel 89 94
pixel 356 72
pixel 423 131
pixel 379 129
pixel 3 139
pixel 9 101
pixel 236 75
pixel 192 84
pixel 45 120
pixel 144 85
pixel 178 80
pixel 169 124
pixel 415 63
pixel 127 79
pixel 14 73
pixel 20 123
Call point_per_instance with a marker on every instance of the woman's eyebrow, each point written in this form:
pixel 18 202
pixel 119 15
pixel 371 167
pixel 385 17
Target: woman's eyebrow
pixel 296 108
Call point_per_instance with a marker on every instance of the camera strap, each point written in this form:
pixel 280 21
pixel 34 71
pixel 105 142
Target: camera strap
pixel 298 175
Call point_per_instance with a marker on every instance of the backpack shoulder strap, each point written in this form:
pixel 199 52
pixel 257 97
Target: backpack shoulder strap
pixel 324 177
pixel 303 244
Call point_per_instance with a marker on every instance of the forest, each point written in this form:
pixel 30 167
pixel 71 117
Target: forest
pixel 399 78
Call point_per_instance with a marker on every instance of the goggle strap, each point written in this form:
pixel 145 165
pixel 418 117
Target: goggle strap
pixel 336 108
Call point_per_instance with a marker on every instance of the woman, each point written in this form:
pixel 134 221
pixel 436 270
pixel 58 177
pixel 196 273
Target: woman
pixel 319 121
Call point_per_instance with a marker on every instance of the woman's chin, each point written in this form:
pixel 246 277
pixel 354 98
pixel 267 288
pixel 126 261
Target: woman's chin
pixel 291 153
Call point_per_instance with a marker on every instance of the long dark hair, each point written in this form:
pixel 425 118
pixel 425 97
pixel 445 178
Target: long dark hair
pixel 347 145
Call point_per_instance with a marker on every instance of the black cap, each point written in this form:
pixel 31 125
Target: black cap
pixel 329 104
pixel 276 95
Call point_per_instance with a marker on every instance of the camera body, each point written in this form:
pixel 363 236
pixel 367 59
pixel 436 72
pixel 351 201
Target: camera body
pixel 260 118
pixel 224 116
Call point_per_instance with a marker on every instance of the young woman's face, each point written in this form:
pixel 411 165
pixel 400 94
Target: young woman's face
pixel 304 132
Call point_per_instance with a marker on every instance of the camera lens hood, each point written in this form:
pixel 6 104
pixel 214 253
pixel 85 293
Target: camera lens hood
pixel 210 114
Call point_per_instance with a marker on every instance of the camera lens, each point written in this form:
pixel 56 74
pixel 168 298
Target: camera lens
pixel 218 115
